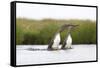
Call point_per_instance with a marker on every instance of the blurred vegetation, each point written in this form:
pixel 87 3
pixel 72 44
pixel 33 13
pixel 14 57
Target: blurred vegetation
pixel 29 31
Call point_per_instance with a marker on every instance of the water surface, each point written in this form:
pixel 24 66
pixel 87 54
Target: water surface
pixel 38 54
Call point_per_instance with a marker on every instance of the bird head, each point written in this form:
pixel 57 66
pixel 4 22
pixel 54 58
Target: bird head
pixel 67 26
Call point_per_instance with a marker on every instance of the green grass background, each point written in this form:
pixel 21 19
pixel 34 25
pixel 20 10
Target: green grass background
pixel 31 31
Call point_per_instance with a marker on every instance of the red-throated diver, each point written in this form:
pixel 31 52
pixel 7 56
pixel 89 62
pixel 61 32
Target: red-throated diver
pixel 56 41
pixel 68 39
pixel 53 45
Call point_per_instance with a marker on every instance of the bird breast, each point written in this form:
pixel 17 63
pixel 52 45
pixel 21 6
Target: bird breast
pixel 57 38
pixel 69 39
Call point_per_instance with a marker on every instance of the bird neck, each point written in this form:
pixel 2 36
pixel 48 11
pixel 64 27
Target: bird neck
pixel 69 32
